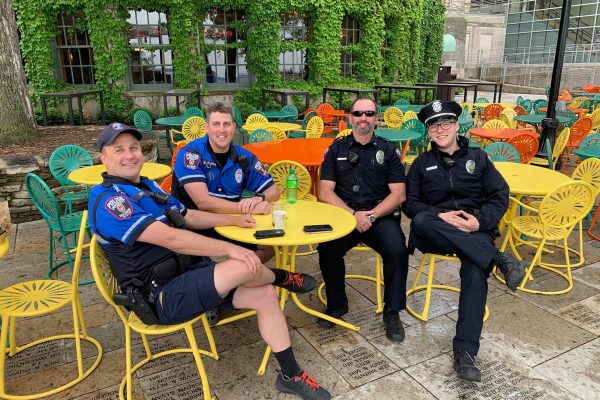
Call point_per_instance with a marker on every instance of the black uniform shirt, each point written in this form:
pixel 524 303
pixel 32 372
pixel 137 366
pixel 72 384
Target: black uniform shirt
pixel 362 172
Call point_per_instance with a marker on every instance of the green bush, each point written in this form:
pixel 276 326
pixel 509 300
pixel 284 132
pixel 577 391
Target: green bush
pixel 52 115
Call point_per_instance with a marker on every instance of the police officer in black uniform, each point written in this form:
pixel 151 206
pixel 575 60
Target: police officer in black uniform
pixel 142 232
pixel 363 174
pixel 456 198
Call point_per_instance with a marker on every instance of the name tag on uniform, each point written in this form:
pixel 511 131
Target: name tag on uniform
pixel 342 158
pixel 430 168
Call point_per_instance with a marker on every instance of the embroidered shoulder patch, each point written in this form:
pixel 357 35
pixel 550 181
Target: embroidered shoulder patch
pixel 119 206
pixel 191 160
pixel 258 167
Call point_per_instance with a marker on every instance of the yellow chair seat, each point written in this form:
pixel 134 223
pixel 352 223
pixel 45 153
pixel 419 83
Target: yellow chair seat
pixel 531 226
pixel 409 159
pixel 141 327
pixel 34 298
pixel 539 161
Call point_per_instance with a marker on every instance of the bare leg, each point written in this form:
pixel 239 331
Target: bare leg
pixel 233 273
pixel 265 253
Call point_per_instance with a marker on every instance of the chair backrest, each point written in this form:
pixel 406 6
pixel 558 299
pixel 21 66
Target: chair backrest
pixel 256 119
pixel 237 117
pixel 43 198
pixel 276 132
pixel 79 249
pixel 590 142
pixel 308 116
pixel 519 100
pixel 539 103
pixel 509 112
pixel 180 145
pixel 481 100
pixel 492 111
pixel 290 108
pixel 507 121
pixel 527 105
pixel 519 110
pixel 323 107
pixel 314 127
pixel 560 145
pixel 309 109
pixel 502 151
pixel 589 171
pixel 393 117
pixel 566 205
pixel 577 101
pixel 105 280
pixel 343 133
pixel 401 102
pixel 193 112
pixel 414 125
pixel 193 128
pixel 410 115
pixel 467 108
pixel 142 121
pixel 495 123
pixel 67 159
pixel 579 130
pixel 280 171
pixel 342 125
pixel 595 119
pixel 260 135
pixel 526 145
pixel 166 184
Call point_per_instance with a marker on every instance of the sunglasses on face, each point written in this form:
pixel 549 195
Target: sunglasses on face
pixel 361 113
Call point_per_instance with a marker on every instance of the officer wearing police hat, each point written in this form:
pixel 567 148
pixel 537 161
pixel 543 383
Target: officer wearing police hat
pixel 455 198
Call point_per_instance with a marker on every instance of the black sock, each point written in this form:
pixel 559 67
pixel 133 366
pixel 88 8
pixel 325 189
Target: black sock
pixel 287 362
pixel 281 275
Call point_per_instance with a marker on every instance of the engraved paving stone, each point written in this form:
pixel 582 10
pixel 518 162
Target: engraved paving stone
pixel 585 314
pixel 35 359
pixel 181 382
pixel 330 340
pixel 360 364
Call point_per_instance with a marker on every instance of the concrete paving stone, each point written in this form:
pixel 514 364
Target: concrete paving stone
pixel 493 290
pixel 36 359
pixel 502 378
pixel 585 314
pixel 529 333
pixel 589 274
pixel 444 271
pixel 397 386
pixel 108 393
pixel 159 344
pixel 18 273
pixel 306 264
pixel 371 324
pixel 360 364
pixel 591 251
pixel 423 341
pixel 180 382
pixel 549 302
pixel 576 370
pixel 234 375
pixel 328 340
pixel 111 336
pixel 228 336
pixel 441 302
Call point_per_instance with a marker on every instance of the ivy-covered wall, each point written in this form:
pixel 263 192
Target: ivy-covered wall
pixel 412 29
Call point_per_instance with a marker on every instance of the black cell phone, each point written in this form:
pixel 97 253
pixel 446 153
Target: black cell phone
pixel 317 228
pixel 269 233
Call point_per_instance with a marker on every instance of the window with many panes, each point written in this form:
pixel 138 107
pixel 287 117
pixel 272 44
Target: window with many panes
pixel 295 36
pixel 75 55
pixel 225 40
pixel 151 53
pixel 350 37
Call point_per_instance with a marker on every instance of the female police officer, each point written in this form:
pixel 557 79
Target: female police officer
pixel 456 198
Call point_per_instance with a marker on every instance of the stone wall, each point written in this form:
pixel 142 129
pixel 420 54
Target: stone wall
pixel 12 181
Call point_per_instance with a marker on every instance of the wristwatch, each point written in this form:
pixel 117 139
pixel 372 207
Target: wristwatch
pixel 261 195
pixel 372 218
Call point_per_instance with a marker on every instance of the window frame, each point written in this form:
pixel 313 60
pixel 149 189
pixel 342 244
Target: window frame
pixel 293 46
pixel 58 59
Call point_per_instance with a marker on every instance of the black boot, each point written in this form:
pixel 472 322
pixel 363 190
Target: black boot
pixel 512 269
pixel 394 330
pixel 335 313
pixel 465 367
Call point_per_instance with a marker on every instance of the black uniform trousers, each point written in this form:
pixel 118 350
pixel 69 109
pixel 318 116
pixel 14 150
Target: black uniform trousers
pixel 430 234
pixel 385 237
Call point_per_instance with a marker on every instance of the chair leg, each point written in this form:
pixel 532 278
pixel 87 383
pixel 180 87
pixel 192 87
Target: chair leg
pixel 378 282
pixel 127 364
pixel 196 352
pixel 209 336
pixel 76 330
pixel 3 339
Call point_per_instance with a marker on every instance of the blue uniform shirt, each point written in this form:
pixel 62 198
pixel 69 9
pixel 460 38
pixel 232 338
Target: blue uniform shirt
pixel 119 212
pixel 196 163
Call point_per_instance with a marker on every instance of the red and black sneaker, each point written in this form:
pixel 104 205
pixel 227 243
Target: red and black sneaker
pixel 302 385
pixel 298 282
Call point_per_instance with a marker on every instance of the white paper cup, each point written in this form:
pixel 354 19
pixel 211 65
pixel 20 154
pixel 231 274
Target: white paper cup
pixel 279 219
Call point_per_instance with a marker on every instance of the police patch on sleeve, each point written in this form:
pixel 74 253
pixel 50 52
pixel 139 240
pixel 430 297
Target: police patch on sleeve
pixel 191 160
pixel 258 167
pixel 119 206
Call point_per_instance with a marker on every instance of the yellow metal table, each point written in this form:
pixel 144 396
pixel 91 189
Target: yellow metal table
pixel 530 179
pixel 284 126
pixel 297 215
pixel 92 175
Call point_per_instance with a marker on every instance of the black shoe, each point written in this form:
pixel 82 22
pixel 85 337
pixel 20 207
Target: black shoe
pixel 465 367
pixel 302 385
pixel 323 323
pixel 298 282
pixel 512 269
pixel 394 330
pixel 212 316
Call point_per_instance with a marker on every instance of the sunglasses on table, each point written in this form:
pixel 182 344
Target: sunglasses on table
pixel 361 113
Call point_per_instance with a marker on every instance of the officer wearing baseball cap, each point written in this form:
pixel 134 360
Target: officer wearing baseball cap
pixel 455 198
pixel 110 133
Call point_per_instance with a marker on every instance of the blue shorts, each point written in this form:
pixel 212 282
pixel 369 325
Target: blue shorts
pixel 190 294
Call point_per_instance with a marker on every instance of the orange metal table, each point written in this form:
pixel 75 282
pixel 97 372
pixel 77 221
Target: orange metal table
pixel 500 134
pixel 577 110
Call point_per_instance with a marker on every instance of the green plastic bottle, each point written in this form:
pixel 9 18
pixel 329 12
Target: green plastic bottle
pixel 291 187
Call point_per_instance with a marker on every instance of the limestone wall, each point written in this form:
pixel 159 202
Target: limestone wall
pixel 12 181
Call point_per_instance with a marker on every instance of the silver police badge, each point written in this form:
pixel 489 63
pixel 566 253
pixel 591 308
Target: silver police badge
pixel 238 175
pixel 470 166
pixel 437 106
pixel 379 156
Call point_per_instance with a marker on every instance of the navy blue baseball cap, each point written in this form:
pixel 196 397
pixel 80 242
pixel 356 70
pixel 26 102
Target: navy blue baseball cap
pixel 110 133
pixel 439 110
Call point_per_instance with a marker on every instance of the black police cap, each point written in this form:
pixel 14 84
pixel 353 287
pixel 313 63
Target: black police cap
pixel 439 110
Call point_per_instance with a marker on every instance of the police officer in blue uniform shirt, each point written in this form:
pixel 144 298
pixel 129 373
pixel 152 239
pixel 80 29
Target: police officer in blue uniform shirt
pixel 456 198
pixel 363 174
pixel 211 173
pixel 142 232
